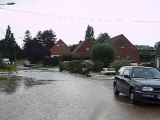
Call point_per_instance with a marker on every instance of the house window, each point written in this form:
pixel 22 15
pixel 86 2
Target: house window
pixel 117 57
pixel 87 48
pixel 57 45
pixel 122 45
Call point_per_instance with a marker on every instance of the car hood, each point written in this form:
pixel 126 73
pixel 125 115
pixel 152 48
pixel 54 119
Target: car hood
pixel 148 82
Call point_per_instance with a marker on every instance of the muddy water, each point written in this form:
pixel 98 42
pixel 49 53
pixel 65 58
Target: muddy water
pixel 16 84
pixel 51 95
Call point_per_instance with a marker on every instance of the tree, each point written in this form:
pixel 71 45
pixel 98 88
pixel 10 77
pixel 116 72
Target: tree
pixel 157 47
pixel 103 53
pixel 37 51
pixel 89 33
pixel 47 39
pixel 102 37
pixel 27 44
pixel 11 48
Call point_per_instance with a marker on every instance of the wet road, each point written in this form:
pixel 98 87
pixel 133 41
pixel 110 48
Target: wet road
pixel 51 95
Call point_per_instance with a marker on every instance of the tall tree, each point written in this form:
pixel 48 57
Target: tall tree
pixel 89 33
pixel 47 38
pixel 11 48
pixel 37 51
pixel 102 37
pixel 27 44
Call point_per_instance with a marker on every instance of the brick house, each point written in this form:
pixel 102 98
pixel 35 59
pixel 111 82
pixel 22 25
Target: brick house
pixel 83 49
pixel 124 49
pixel 59 48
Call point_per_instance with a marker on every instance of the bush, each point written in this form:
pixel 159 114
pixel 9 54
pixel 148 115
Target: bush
pixel 103 53
pixel 98 66
pixel 67 57
pixel 117 64
pixel 47 61
pixel 75 66
pixel 64 66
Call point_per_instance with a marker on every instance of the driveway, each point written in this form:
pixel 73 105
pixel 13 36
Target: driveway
pixel 52 95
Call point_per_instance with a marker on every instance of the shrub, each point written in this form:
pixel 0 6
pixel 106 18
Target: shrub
pixel 87 65
pixel 117 64
pixel 75 66
pixel 47 61
pixel 67 57
pixel 103 53
pixel 64 66
pixel 98 66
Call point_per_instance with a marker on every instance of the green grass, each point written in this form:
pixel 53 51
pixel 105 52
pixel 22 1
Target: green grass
pixel 9 68
pixel 21 61
pixel 1 78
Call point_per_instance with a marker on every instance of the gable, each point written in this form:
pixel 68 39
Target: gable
pixel 124 49
pixel 83 49
pixel 59 48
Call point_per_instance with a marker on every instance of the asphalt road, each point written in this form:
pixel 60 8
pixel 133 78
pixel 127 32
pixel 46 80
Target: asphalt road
pixel 52 95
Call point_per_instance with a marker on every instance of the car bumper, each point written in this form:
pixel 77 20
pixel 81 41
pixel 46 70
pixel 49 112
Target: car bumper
pixel 147 97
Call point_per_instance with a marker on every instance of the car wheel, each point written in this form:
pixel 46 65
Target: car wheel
pixel 116 92
pixel 132 97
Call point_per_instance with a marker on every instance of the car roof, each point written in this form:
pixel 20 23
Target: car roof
pixel 136 67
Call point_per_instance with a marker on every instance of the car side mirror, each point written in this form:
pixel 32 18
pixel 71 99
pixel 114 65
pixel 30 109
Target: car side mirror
pixel 126 76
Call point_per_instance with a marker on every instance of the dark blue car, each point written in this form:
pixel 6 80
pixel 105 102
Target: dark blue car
pixel 139 83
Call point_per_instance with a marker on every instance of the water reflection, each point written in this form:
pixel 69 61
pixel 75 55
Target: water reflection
pixel 12 84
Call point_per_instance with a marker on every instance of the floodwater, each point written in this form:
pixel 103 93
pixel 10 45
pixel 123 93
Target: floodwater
pixel 52 95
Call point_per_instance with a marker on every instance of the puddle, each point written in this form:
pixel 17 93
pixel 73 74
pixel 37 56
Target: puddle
pixel 16 84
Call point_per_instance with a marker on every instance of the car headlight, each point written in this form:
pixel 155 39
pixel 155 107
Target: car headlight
pixel 147 89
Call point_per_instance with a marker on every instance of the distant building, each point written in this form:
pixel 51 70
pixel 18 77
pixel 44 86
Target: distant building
pixel 124 49
pixel 83 49
pixel 59 48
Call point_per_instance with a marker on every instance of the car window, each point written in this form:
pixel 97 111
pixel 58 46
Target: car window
pixel 126 72
pixel 110 69
pixel 145 73
pixel 121 71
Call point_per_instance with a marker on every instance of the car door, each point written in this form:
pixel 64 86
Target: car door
pixel 125 82
pixel 118 79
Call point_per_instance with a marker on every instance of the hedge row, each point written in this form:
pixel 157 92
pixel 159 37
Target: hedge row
pixel 47 61
pixel 74 66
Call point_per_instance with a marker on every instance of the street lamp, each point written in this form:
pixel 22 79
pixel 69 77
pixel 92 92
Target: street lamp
pixel 10 3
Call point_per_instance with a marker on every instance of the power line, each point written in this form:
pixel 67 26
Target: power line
pixel 82 18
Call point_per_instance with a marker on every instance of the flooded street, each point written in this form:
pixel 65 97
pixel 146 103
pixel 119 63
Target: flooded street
pixel 52 95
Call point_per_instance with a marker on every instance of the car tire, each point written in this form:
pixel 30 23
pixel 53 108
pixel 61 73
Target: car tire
pixel 115 90
pixel 132 97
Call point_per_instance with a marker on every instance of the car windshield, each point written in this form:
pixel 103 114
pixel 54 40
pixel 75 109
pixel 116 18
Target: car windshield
pixel 149 73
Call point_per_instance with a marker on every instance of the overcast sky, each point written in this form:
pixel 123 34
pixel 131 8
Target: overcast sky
pixel 138 20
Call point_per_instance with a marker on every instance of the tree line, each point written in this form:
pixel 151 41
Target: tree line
pixel 36 48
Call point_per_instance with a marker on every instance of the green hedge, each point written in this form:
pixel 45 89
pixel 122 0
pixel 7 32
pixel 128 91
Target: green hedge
pixel 117 64
pixel 76 66
pixel 47 61
pixel 98 66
